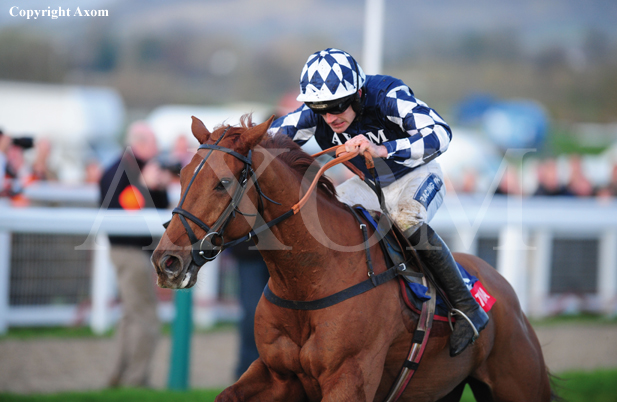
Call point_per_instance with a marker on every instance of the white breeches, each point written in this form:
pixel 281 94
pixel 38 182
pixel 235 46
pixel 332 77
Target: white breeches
pixel 411 200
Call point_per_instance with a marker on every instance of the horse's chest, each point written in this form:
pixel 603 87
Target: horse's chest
pixel 306 361
pixel 303 357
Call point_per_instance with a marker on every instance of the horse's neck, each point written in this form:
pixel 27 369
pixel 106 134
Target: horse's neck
pixel 299 250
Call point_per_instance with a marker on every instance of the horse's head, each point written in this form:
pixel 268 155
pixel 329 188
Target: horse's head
pixel 214 189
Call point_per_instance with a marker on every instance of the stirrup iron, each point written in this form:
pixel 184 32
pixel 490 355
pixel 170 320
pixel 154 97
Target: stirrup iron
pixel 456 311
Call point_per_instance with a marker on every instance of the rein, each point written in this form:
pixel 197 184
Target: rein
pixel 341 157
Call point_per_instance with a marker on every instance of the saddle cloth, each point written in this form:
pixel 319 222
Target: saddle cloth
pixel 415 293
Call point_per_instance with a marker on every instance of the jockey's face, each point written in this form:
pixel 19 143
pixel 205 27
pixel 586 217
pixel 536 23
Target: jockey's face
pixel 339 122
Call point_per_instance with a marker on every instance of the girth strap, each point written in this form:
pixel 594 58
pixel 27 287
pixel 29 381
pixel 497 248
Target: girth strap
pixel 338 297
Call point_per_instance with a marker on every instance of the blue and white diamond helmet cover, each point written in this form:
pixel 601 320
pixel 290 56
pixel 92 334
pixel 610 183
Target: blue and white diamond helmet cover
pixel 330 74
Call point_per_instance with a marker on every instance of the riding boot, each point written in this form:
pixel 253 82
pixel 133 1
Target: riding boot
pixel 471 318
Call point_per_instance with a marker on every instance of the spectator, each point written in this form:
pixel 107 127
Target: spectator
pixel 181 151
pixel 578 185
pixel 16 173
pixel 5 143
pixel 40 166
pixel 609 190
pixel 510 183
pixel 94 172
pixel 141 183
pixel 469 182
pixel 253 276
pixel 548 180
pixel 612 185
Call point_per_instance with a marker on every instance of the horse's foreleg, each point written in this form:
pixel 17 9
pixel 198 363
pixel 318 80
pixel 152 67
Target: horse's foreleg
pixel 344 388
pixel 258 383
pixel 352 381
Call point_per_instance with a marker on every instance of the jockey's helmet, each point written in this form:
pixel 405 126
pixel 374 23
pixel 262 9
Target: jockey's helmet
pixel 330 75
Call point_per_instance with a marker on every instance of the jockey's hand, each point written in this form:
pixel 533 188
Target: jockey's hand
pixel 361 144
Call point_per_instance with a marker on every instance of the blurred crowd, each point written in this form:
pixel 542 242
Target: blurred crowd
pixel 25 161
pixel 16 172
pixel 564 176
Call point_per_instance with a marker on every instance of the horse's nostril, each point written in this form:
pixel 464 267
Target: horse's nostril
pixel 171 265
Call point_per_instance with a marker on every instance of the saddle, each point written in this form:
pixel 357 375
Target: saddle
pixel 397 250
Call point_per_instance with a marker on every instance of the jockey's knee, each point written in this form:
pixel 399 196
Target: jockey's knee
pixel 409 215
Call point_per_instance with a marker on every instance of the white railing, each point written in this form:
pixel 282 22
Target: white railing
pixel 525 229
pixel 96 224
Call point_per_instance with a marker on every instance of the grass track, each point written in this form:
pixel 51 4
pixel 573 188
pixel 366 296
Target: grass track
pixel 574 386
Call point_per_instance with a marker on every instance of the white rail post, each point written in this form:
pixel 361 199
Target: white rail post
pixel 512 260
pixel 373 36
pixel 102 286
pixel 5 279
pixel 607 271
pixel 540 275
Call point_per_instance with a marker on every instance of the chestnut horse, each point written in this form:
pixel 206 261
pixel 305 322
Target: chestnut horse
pixel 350 351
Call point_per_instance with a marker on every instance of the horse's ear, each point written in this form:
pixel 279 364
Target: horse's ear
pixel 254 135
pixel 199 130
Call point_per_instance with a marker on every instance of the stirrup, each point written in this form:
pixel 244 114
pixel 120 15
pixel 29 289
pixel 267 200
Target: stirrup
pixel 456 311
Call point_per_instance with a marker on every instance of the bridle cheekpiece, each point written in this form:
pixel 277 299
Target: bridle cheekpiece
pixel 205 250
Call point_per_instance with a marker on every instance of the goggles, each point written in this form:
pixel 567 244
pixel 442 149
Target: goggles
pixel 336 106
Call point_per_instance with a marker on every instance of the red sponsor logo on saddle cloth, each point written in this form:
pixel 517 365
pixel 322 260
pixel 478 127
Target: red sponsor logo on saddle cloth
pixel 484 299
pixel 414 294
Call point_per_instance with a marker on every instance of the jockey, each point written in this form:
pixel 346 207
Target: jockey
pixel 380 115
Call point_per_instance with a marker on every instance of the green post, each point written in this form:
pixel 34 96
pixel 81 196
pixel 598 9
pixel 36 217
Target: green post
pixel 179 372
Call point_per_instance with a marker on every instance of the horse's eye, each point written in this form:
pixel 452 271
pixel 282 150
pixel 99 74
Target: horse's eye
pixel 223 184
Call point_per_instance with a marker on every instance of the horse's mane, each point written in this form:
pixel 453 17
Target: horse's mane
pixel 299 161
pixel 295 157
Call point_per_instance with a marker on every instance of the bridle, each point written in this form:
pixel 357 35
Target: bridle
pixel 205 250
